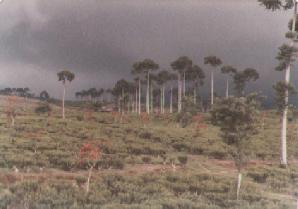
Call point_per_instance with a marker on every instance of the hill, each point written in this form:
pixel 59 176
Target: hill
pixel 145 162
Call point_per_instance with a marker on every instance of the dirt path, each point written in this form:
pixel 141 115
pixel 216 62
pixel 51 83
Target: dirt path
pixel 212 166
pixel 130 170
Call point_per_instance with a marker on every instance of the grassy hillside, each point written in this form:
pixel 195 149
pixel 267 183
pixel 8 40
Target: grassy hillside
pixel 145 163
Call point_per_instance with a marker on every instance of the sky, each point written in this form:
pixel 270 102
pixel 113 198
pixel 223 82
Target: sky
pixel 99 40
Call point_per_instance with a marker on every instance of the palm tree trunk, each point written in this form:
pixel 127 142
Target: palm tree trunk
pixel 119 104
pixel 136 104
pixel 140 94
pixel 63 101
pixel 123 104
pixel 151 98
pixel 184 83
pixel 179 94
pixel 239 184
pixel 227 88
pixel 163 99
pixel 160 102
pixel 88 180
pixel 212 87
pixel 283 139
pixel 148 94
pixel 171 101
pixel 195 95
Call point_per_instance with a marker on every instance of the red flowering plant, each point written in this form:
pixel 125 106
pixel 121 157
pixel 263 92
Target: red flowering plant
pixel 144 118
pixel 89 155
pixel 199 121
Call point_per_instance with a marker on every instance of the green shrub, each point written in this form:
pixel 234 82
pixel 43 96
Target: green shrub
pixel 182 160
pixel 43 108
pixel 146 159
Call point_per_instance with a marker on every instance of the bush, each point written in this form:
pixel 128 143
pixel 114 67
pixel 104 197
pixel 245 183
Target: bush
pixel 259 177
pixel 80 118
pixel 146 159
pixel 44 108
pixel 145 135
pixel 81 180
pixel 182 160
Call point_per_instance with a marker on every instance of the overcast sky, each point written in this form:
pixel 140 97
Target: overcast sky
pixel 99 40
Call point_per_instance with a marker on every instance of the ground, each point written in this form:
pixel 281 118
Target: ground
pixel 145 162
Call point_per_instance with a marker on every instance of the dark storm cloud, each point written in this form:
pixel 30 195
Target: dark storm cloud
pixel 100 39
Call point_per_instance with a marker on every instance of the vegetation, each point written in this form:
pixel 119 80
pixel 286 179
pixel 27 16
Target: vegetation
pixel 171 149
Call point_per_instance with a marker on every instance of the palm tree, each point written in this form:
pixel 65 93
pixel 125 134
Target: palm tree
pixel 120 90
pixel 84 94
pixel 65 76
pixel 214 62
pixel 242 77
pixel 173 77
pixel 138 93
pixel 280 5
pixel 153 81
pixel 78 95
pixel 92 92
pixel 181 65
pixel 229 71
pixel 146 67
pixel 44 95
pixel 197 75
pixel 137 99
pixel 109 92
pixel 162 78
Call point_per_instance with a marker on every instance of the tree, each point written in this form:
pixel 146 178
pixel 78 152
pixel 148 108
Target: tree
pixel 65 76
pixel 237 119
pixel 11 109
pixel 92 93
pixel 44 95
pixel 99 93
pixel 145 67
pixel 197 75
pixel 181 65
pixel 79 95
pixel 153 82
pixel 120 90
pixel 138 94
pixel 228 71
pixel 109 92
pixel 242 77
pixel 280 88
pixel 285 64
pixel 162 78
pixel 173 77
pixel 214 62
pixel 89 155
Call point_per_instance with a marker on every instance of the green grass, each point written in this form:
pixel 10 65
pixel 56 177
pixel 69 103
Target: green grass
pixel 136 168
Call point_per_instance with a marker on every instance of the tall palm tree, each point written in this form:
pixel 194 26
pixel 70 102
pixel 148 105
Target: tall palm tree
pixel 197 75
pixel 173 77
pixel 280 5
pixel 214 62
pixel 99 94
pixel 162 78
pixel 181 65
pixel 92 94
pixel 44 95
pixel 120 91
pixel 242 77
pixel 78 95
pixel 146 67
pixel 228 71
pixel 109 92
pixel 153 81
pixel 65 76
